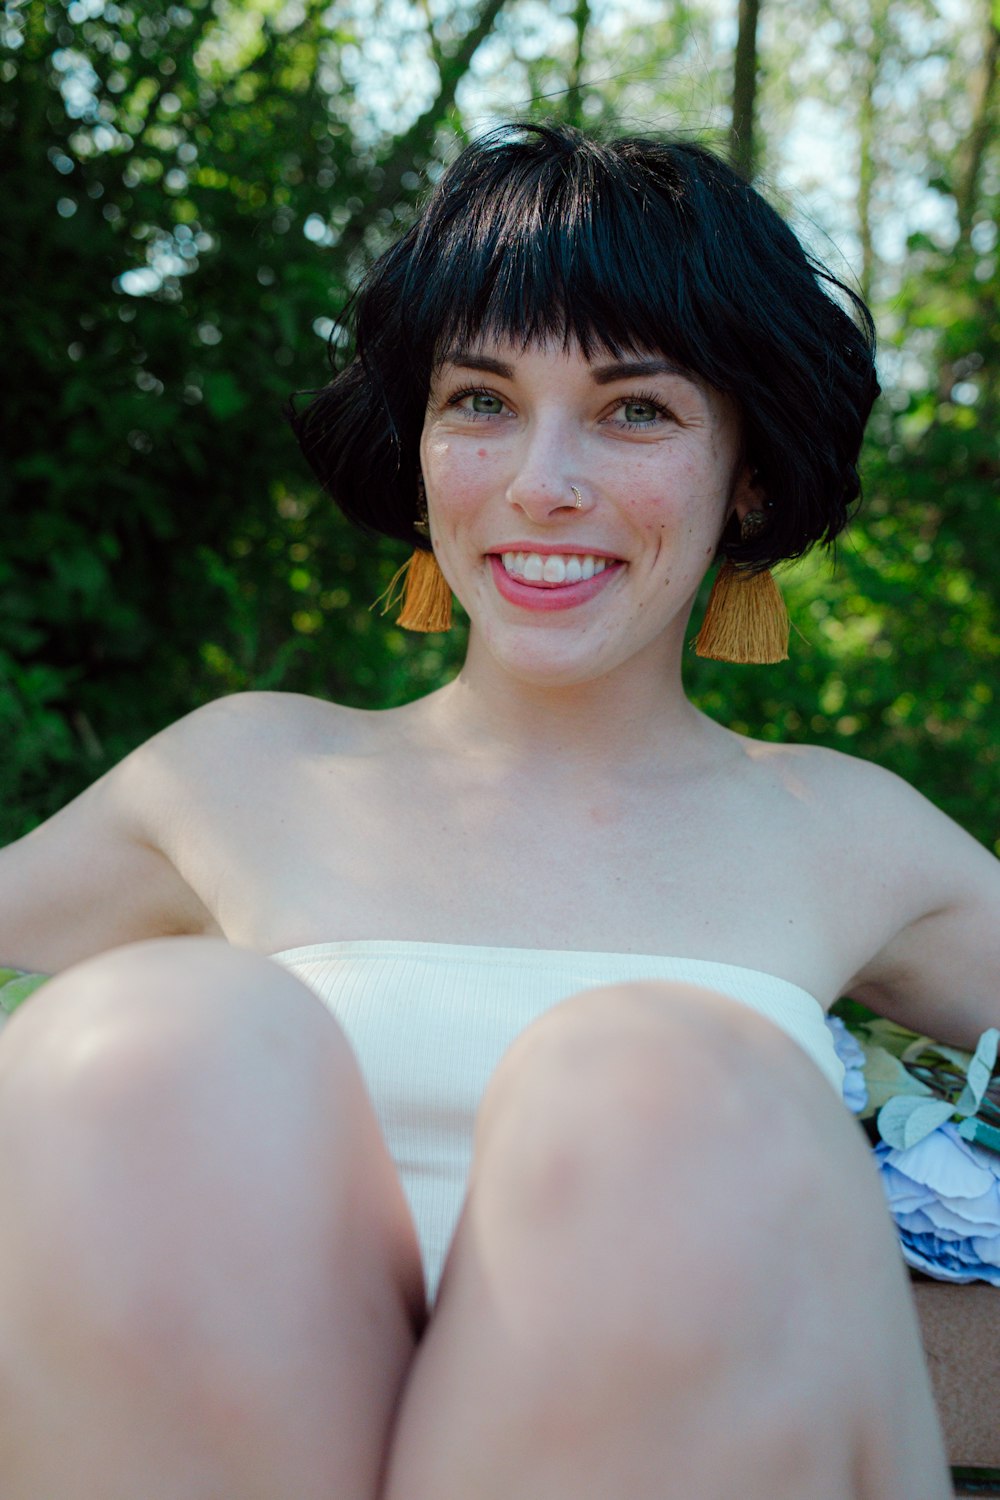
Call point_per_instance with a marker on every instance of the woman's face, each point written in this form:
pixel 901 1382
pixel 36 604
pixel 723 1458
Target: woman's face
pixel 557 591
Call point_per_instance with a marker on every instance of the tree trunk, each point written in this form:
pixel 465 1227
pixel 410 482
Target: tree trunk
pixel 867 126
pixel 411 150
pixel 574 90
pixel 982 99
pixel 741 130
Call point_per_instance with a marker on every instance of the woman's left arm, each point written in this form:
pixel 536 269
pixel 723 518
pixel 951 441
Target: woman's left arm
pixel 939 972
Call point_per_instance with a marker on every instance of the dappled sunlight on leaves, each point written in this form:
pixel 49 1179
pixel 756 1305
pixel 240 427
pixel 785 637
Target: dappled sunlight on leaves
pixel 224 170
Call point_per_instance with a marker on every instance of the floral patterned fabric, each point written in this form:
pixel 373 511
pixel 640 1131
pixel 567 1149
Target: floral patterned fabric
pixel 933 1116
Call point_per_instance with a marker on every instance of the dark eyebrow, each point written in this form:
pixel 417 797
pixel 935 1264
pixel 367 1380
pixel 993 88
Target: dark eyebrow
pixel 630 369
pixel 472 361
pixel 627 369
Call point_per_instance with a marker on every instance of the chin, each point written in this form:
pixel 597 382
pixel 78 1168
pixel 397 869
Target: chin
pixel 544 661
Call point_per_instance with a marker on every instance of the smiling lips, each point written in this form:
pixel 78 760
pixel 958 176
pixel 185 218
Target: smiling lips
pixel 551 580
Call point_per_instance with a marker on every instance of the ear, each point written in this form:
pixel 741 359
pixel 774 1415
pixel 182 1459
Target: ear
pixel 748 492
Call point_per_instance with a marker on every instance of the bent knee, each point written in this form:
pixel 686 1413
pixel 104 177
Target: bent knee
pixel 648 1135
pixel 175 1074
pixel 174 1108
pixel 650 1059
pixel 138 1022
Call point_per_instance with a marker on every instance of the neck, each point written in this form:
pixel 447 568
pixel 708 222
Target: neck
pixel 637 713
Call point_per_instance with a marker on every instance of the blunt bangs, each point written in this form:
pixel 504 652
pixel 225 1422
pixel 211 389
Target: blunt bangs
pixel 551 255
pixel 541 233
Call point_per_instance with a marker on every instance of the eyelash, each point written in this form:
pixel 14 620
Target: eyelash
pixel 474 390
pixel 637 398
pixel 644 398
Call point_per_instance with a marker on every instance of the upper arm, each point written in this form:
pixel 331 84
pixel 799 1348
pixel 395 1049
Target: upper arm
pixel 938 971
pixel 95 875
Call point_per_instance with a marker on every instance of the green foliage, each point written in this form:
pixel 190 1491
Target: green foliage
pixel 160 539
pixel 190 192
pixel 15 987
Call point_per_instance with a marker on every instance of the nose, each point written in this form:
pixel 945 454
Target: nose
pixel 547 485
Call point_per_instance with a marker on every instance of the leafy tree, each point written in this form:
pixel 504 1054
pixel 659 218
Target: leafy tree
pixel 192 192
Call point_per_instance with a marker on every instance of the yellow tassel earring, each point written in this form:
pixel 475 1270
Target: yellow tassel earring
pixel 425 590
pixel 426 595
pixel 745 619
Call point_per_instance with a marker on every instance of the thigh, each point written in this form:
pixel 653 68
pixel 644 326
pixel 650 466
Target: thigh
pixel 211 1279
pixel 671 1214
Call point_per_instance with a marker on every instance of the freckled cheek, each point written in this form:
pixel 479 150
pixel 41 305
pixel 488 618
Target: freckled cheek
pixel 457 486
pixel 681 502
pixel 651 510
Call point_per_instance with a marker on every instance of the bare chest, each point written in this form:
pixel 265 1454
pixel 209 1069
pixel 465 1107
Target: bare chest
pixel 368 851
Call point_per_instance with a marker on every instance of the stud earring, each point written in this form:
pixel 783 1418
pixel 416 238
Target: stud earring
pixel 745 619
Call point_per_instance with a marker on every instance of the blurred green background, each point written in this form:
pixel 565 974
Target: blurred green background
pixel 190 193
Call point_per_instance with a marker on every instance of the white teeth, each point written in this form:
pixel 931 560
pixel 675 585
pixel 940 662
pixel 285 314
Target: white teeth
pixel 553 567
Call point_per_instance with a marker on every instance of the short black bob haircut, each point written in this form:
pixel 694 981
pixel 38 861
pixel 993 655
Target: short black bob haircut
pixel 628 245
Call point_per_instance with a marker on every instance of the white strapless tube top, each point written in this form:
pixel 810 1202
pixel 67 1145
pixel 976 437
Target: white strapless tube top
pixel 430 1021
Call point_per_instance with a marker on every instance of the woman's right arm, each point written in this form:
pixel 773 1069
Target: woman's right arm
pixel 95 876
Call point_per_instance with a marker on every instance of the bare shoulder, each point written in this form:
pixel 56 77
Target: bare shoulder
pixel 220 764
pixel 268 721
pixel 877 819
pixel 234 739
pixel 827 773
pixel 114 865
pixel 868 802
pixel 903 869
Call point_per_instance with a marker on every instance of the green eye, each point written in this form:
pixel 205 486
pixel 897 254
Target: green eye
pixel 486 406
pixel 640 412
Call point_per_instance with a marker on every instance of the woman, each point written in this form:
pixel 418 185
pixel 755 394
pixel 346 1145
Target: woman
pixel 551 904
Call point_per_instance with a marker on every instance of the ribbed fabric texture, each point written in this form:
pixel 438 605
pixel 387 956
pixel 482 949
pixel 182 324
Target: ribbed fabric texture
pixel 430 1021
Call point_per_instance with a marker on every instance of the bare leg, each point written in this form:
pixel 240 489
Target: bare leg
pixel 210 1287
pixel 674 1279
